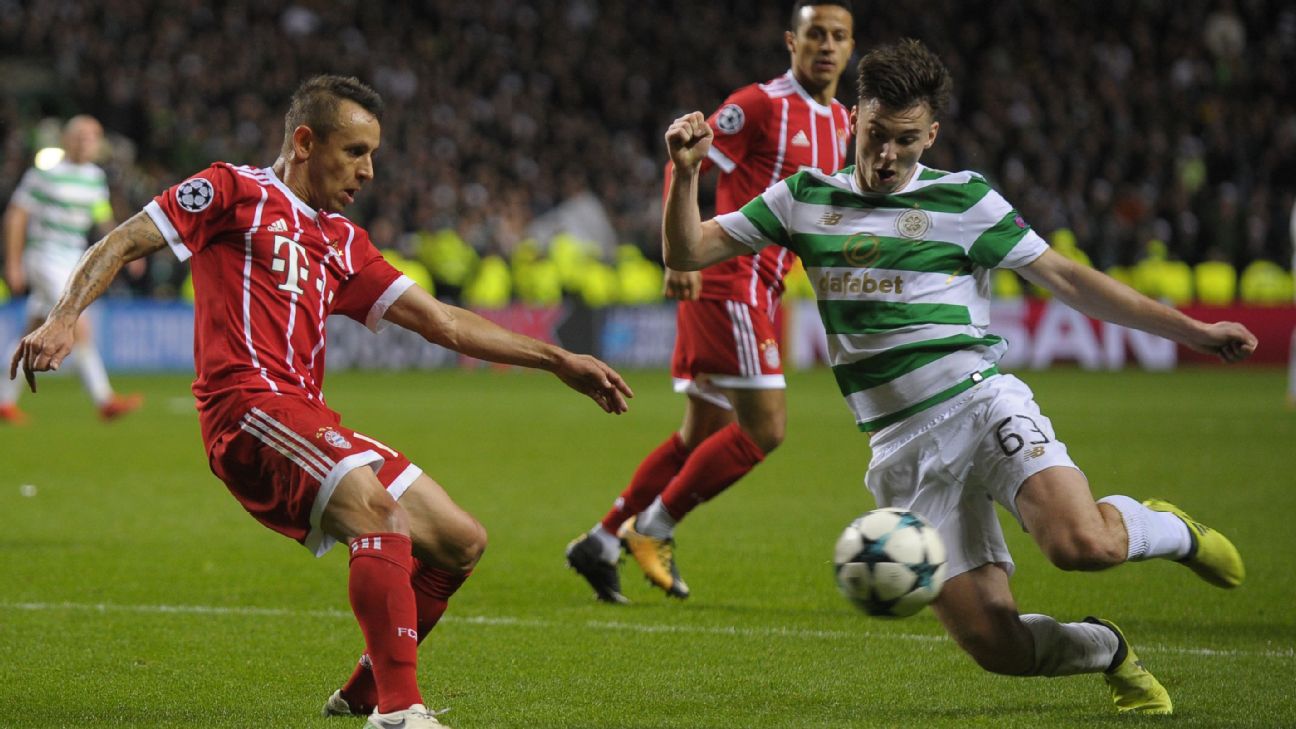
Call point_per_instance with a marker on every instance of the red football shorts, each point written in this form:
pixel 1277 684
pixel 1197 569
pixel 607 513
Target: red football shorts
pixel 283 456
pixel 724 344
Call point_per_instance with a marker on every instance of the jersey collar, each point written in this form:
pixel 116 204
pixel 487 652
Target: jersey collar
pixel 909 186
pixel 292 196
pixel 815 106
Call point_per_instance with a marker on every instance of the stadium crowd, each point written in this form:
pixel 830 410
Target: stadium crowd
pixel 1153 125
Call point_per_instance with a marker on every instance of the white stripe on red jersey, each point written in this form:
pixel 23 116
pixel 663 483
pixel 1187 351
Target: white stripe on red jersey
pixel 764 133
pixel 267 271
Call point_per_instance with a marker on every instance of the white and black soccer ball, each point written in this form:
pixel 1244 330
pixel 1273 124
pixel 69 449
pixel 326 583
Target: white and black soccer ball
pixel 194 194
pixel 890 563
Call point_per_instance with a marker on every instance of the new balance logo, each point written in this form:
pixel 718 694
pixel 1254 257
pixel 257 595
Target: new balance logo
pixel 830 218
pixel 278 226
pixel 801 140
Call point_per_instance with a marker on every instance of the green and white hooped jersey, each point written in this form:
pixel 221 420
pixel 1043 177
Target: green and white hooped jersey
pixel 902 279
pixel 63 203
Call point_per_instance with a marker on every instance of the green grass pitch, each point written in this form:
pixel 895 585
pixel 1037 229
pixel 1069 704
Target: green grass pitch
pixel 136 593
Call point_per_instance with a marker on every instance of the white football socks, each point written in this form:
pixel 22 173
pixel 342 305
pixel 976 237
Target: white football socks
pixel 609 545
pixel 655 521
pixel 93 374
pixel 1065 649
pixel 1151 533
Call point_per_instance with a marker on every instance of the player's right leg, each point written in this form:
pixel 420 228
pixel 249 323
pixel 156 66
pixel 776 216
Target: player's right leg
pixel 11 389
pixel 361 513
pixel 978 611
pixel 447 543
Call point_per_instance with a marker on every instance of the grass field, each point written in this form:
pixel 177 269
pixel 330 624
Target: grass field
pixel 137 593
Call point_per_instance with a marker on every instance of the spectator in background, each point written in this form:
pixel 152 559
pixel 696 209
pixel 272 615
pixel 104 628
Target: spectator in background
pixel 46 228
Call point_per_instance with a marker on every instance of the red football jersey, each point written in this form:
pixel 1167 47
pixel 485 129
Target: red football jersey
pixel 267 271
pixel 764 133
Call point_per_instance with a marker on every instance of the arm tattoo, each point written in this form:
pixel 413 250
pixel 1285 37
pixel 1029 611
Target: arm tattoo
pixel 136 238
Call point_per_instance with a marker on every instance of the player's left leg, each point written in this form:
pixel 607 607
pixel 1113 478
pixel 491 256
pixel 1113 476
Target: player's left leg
pixel 447 543
pixel 721 459
pixel 1057 508
pixel 716 464
pixel 94 376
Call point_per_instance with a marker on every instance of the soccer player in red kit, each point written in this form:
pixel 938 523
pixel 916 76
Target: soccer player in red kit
pixel 271 259
pixel 726 353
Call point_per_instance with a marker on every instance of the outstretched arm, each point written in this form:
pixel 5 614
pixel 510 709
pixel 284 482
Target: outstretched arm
pixel 45 348
pixel 688 244
pixel 467 333
pixel 1102 297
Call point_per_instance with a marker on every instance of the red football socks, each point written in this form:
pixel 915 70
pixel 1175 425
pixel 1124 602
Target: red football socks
pixel 432 590
pixel 650 479
pixel 383 602
pixel 719 461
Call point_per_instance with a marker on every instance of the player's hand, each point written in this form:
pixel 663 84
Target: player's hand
pixel 682 285
pixel 688 140
pixel 601 383
pixel 1229 340
pixel 43 349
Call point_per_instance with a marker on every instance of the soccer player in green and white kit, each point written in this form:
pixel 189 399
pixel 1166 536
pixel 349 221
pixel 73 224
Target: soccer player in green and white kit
pixel 45 232
pixel 900 256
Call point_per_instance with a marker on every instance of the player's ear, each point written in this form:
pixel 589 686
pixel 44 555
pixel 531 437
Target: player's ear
pixel 931 135
pixel 303 140
pixel 789 39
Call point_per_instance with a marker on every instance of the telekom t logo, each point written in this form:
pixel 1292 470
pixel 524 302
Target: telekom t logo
pixel 295 265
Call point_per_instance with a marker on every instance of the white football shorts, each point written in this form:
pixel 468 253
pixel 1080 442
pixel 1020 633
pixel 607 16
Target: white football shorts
pixel 953 463
pixel 47 276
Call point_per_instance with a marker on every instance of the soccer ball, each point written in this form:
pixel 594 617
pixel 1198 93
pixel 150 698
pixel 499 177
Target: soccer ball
pixel 890 563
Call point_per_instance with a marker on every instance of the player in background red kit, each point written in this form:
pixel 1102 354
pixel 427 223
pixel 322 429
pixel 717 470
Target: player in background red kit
pixel 271 259
pixel 726 353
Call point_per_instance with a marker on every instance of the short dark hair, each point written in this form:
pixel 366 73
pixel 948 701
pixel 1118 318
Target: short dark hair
pixel 795 21
pixel 903 74
pixel 315 103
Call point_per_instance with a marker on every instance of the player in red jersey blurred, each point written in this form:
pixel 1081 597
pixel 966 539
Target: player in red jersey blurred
pixel 271 260
pixel 726 353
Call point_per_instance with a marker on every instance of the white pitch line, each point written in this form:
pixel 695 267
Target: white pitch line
pixel 600 625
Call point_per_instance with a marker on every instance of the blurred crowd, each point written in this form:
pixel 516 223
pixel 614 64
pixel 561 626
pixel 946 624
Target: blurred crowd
pixel 1137 127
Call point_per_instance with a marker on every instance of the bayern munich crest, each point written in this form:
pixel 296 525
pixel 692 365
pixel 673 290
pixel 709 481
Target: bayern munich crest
pixel 194 194
pixel 334 438
pixel 913 223
pixel 770 352
pixel 730 119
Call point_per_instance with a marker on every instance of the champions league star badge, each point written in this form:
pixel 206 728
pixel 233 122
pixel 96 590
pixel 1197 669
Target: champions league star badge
pixel 730 119
pixel 333 438
pixel 194 195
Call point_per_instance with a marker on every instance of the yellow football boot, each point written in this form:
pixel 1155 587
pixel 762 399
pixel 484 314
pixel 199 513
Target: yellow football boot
pixel 1213 557
pixel 656 557
pixel 1133 689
